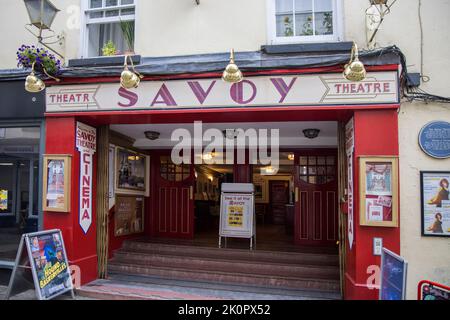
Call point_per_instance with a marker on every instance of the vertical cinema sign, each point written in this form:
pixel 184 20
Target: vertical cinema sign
pixel 86 139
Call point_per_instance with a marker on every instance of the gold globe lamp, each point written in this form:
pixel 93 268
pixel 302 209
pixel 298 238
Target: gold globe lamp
pixel 232 74
pixel 130 79
pixel 355 70
pixel 32 83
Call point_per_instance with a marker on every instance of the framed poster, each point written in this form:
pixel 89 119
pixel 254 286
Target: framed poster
pixel 131 171
pixel 129 215
pixel 393 276
pixel 435 203
pixel 56 191
pixel 378 191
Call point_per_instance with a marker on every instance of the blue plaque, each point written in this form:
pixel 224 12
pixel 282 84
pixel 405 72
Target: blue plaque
pixel 434 139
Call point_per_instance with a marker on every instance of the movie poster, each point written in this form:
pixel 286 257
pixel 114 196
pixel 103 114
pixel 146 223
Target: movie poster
pixel 379 192
pixel 130 170
pixel 50 264
pixel 435 204
pixel 3 200
pixel 129 215
pixel 55 184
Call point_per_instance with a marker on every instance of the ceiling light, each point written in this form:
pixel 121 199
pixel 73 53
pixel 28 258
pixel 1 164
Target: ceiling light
pixel 230 134
pixel 152 135
pixel 311 133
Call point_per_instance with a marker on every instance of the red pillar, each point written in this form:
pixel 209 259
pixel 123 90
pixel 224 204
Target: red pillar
pixel 376 134
pixel 81 248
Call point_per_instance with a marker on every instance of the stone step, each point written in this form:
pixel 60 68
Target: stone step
pixel 297 258
pixel 227 277
pixel 226 265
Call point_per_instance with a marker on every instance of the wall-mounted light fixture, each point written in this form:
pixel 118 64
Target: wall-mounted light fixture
pixel 291 157
pixel 311 133
pixel 355 70
pixel 152 135
pixel 33 83
pixel 42 13
pixel 232 74
pixel 130 79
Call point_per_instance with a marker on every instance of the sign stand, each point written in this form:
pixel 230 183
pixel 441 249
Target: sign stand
pixel 393 276
pixel 237 213
pixel 25 263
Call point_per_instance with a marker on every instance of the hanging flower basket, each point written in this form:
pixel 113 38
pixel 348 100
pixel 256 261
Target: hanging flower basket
pixel 27 55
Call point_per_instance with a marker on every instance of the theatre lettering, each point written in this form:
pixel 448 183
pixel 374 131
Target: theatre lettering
pixel 299 90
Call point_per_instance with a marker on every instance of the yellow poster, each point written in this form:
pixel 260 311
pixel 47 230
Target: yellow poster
pixel 236 216
pixel 3 200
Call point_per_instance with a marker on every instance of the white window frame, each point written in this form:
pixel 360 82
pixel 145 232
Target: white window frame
pixel 335 37
pixel 86 21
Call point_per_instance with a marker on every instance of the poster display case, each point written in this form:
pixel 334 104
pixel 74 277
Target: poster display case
pixel 378 191
pixel 56 191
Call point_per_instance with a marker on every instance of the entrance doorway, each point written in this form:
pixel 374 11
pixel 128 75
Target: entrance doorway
pixel 316 180
pixel 174 197
pixel 19 186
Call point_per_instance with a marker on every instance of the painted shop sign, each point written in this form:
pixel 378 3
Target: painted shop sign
pixel 86 141
pixel 299 90
pixel 434 139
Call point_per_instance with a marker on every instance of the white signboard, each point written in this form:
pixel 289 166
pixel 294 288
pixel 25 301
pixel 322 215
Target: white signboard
pixel 293 90
pixel 86 141
pixel 350 148
pixel 237 212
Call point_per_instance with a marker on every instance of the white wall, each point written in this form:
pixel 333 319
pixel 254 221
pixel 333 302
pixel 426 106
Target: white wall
pixel 429 258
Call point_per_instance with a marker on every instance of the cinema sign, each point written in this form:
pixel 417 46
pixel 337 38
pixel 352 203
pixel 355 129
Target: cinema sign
pixel 264 91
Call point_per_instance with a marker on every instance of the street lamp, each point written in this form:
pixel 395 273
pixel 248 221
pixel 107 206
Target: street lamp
pixel 42 13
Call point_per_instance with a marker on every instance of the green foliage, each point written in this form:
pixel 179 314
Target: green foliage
pixel 109 49
pixel 128 33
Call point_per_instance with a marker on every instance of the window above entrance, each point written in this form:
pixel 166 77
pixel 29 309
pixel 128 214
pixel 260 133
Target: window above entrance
pixel 108 22
pixel 297 21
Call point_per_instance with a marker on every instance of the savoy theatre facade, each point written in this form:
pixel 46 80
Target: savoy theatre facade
pixel 126 196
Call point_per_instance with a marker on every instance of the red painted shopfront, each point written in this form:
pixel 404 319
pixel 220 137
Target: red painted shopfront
pixel 376 134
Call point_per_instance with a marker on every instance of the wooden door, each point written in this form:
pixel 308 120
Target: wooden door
pixel 316 219
pixel 279 198
pixel 174 205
